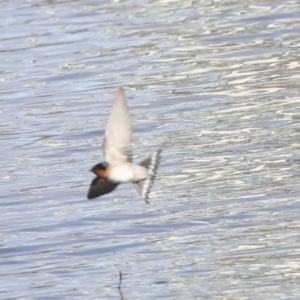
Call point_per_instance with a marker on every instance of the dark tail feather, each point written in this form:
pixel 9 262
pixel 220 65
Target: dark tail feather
pixel 139 187
pixel 151 163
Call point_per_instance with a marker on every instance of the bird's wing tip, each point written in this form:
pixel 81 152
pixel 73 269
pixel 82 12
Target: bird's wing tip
pixel 120 89
pixel 120 93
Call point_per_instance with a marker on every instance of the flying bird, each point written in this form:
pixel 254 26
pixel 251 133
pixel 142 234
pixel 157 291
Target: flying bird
pixel 118 166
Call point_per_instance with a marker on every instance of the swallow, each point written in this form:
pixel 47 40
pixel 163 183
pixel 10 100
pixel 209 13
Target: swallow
pixel 118 167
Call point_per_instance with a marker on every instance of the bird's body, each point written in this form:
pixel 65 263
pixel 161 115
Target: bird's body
pixel 118 166
pixel 127 172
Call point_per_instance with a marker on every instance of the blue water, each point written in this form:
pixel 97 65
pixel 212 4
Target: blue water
pixel 217 84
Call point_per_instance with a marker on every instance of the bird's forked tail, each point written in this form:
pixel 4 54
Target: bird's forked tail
pixel 151 163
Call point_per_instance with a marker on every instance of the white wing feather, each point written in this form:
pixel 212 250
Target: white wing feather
pixel 117 140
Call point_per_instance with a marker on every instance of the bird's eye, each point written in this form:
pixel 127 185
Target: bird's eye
pixel 101 166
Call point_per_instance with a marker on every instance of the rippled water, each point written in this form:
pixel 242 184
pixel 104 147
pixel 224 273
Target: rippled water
pixel 217 84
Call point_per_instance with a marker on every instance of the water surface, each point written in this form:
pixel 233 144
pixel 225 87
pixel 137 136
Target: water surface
pixel 217 84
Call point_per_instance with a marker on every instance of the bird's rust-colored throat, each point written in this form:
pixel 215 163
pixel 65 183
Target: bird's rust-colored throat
pixel 101 173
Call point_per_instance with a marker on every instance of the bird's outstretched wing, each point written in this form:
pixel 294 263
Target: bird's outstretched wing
pixel 117 140
pixel 100 186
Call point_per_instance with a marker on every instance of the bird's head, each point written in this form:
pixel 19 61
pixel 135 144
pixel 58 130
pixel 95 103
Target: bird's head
pixel 101 170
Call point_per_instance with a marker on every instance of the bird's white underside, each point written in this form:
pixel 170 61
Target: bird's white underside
pixel 127 172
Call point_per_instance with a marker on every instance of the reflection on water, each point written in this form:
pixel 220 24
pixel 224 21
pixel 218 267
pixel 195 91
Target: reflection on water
pixel 217 83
